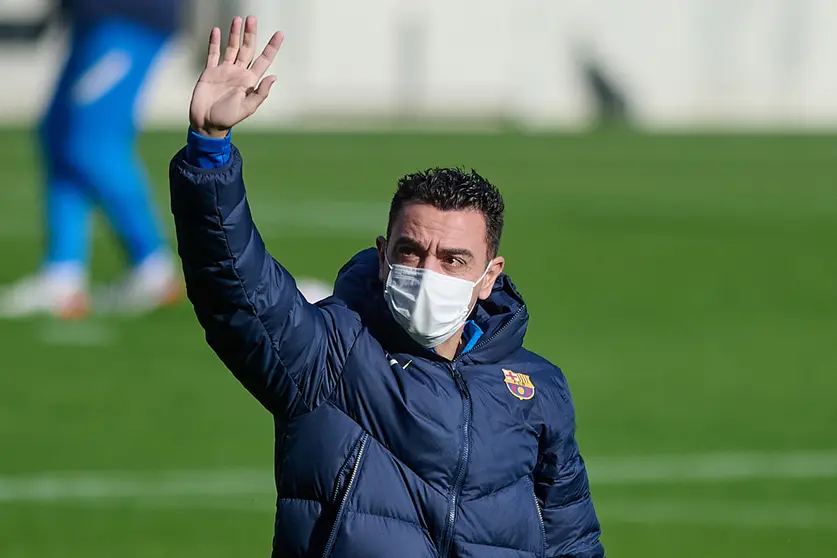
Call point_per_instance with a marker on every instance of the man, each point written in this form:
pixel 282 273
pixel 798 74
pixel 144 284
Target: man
pixel 410 421
pixel 88 136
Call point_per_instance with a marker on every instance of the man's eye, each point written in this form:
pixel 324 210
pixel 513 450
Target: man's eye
pixel 406 255
pixel 455 262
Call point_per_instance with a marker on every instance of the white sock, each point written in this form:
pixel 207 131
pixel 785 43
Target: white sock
pixel 65 275
pixel 158 266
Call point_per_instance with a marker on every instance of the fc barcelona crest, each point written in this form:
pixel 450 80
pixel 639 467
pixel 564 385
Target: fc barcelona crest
pixel 519 385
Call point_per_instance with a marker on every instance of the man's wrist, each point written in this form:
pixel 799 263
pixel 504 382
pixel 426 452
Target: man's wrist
pixel 213 133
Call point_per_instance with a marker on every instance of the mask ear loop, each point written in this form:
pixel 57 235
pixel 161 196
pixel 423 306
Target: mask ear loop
pixel 484 273
pixel 386 254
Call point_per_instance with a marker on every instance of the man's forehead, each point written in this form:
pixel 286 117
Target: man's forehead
pixel 420 220
pixel 445 233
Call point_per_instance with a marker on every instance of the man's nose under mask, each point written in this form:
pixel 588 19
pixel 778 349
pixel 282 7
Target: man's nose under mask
pixel 430 306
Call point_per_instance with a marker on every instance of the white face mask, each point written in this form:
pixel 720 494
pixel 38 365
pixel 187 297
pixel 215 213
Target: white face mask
pixel 430 306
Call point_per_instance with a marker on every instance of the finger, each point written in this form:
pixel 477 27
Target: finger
pixel 234 41
pixel 213 54
pixel 257 97
pixel 266 58
pixel 248 48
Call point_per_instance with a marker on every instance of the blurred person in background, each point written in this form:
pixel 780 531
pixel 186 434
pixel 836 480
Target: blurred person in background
pixel 88 139
pixel 409 419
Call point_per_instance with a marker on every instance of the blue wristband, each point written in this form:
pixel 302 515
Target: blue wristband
pixel 208 153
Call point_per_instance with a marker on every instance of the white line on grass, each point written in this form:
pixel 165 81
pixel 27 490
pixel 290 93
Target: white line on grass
pixel 129 486
pixel 618 471
pixel 84 333
pixel 718 467
pixel 274 218
pixel 791 515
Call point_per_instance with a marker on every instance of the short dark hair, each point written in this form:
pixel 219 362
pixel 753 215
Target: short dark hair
pixel 452 189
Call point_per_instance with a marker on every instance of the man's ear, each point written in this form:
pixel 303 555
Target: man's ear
pixel 381 245
pixel 494 271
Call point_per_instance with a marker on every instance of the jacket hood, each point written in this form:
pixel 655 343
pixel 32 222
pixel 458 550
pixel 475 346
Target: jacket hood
pixel 503 317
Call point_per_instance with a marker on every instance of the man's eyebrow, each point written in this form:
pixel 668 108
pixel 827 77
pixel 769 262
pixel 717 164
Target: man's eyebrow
pixel 408 242
pixel 456 252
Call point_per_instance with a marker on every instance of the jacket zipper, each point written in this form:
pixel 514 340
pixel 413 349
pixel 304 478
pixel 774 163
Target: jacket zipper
pixel 447 537
pixel 350 462
pixel 505 326
pixel 338 519
pixel 540 515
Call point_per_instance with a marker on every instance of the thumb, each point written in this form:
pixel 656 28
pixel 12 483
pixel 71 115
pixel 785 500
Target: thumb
pixel 255 99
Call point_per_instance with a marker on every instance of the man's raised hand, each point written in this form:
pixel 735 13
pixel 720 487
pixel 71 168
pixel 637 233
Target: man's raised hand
pixel 231 89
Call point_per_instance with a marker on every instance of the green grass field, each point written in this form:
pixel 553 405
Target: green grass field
pixel 687 286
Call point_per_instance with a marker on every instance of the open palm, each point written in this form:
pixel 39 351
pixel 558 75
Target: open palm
pixel 231 89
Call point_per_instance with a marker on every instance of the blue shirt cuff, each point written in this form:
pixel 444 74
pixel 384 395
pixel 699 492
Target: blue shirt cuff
pixel 208 153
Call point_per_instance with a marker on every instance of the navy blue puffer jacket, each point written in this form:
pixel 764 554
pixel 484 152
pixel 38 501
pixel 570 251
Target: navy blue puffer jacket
pixel 383 448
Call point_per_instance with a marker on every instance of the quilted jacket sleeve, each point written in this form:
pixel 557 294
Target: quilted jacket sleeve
pixel 561 485
pixel 288 353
